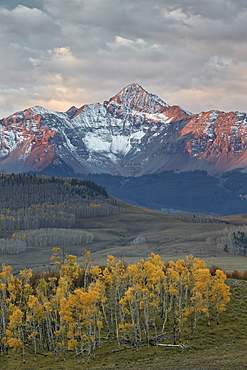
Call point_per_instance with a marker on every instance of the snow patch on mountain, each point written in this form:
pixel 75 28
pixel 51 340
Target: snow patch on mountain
pixel 213 116
pixel 25 153
pixel 118 144
pixel 10 140
pixel 157 117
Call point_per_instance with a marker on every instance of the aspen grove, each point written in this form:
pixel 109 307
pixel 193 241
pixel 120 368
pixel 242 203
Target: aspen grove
pixel 79 307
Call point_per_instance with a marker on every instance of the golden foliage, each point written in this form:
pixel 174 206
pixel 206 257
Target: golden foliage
pixel 131 302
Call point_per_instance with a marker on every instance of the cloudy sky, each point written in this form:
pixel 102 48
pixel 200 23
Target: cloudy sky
pixel 59 53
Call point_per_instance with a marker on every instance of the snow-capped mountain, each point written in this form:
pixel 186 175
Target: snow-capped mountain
pixel 132 134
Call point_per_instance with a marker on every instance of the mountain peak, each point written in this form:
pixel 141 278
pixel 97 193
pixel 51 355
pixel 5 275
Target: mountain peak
pixel 134 85
pixel 133 96
pixel 37 109
pixel 130 91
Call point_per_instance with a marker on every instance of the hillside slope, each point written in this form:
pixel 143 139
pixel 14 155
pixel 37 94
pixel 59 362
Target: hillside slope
pixel 192 191
pixel 163 234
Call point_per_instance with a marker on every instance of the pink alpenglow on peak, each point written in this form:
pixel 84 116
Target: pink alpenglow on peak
pixel 132 134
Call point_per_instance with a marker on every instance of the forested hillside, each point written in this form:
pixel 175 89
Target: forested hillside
pixel 33 202
pixel 194 191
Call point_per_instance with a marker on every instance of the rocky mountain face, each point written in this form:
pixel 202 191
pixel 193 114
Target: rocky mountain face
pixel 132 134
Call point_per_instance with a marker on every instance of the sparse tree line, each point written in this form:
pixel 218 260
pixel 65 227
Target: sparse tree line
pixel 199 217
pixel 81 306
pixel 43 238
pixel 37 216
pixel 232 240
pixel 49 215
pixel 32 202
pixel 53 237
pixel 12 246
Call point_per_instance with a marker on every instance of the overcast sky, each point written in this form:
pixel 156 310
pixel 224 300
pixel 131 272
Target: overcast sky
pixel 59 53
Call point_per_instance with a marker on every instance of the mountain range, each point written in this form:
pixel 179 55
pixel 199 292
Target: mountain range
pixel 139 148
pixel 135 133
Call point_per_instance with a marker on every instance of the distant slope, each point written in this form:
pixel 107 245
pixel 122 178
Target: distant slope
pixel 194 191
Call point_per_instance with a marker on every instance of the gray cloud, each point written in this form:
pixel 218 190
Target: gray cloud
pixel 59 53
pixel 10 4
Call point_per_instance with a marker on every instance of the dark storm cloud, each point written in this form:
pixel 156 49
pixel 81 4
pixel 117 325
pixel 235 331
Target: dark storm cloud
pixel 57 53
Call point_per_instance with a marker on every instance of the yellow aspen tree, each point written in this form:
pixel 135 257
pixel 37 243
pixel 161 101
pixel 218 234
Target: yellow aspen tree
pixel 182 303
pixel 26 288
pixel 114 277
pixel 70 267
pixel 86 263
pixel 46 292
pixel 148 312
pixel 130 305
pixel 177 289
pixel 140 302
pixel 56 258
pixel 135 302
pixel 98 286
pixel 100 280
pixel 65 318
pixel 98 291
pixel 220 293
pixel 80 307
pixel 193 264
pixel 62 293
pixel 153 291
pixel 39 297
pixel 34 319
pixel 207 289
pixel 202 289
pixel 173 309
pixel 14 332
pixel 6 280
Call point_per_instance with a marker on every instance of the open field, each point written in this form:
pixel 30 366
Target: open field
pixel 164 234
pixel 216 347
